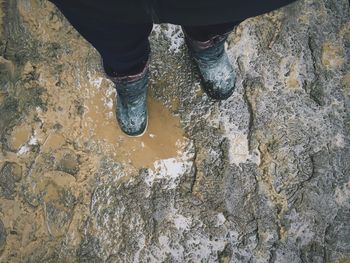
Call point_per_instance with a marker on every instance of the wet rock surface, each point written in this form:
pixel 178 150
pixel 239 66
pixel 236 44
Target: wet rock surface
pixel 9 175
pixel 261 177
pixel 2 237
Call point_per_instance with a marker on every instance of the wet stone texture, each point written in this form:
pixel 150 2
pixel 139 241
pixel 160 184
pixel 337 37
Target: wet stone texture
pixel 9 175
pixel 261 177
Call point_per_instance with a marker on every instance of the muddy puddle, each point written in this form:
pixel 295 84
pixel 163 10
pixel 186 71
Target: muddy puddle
pixel 162 140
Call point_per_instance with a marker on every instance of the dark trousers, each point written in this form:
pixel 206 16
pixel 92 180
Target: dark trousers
pixel 125 47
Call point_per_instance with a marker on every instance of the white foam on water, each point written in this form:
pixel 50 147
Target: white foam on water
pixel 170 169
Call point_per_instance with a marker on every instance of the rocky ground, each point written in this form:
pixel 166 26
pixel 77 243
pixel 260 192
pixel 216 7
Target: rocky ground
pixel 261 177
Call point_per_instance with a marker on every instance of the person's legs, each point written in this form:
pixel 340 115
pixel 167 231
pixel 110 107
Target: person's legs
pixel 125 52
pixel 124 48
pixel 206 45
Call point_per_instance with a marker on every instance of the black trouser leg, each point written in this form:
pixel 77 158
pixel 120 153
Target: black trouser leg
pixel 204 33
pixel 124 47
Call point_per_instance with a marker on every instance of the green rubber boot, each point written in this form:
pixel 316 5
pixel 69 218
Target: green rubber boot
pixel 131 102
pixel 217 74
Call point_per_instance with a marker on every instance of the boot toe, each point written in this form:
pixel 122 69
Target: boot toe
pixel 218 81
pixel 218 92
pixel 132 118
pixel 133 130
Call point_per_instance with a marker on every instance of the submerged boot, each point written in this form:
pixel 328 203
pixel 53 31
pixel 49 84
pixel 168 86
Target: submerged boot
pixel 215 68
pixel 131 104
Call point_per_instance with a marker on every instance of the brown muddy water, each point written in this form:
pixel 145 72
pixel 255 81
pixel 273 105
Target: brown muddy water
pixel 161 140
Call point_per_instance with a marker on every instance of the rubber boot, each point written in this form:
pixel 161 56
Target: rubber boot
pixel 131 102
pixel 217 74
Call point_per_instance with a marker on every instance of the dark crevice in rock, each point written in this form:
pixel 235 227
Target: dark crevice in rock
pixel 4 51
pixel 2 237
pixel 314 89
pixel 195 171
pixel 248 102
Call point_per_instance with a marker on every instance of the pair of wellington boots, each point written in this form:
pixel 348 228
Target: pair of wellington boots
pixel 217 75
